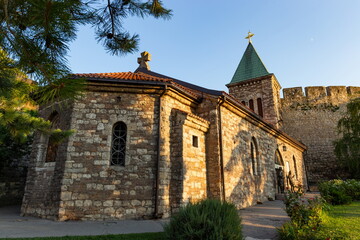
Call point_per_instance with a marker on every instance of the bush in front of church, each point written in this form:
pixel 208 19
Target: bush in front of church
pixel 208 219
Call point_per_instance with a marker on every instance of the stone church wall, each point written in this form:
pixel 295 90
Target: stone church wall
pixel 92 187
pixel 243 187
pixel 43 184
pixel 188 159
pixel 208 109
pixel 171 103
pixel 267 89
pixel 312 118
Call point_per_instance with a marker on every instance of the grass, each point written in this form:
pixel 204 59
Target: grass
pixel 344 219
pixel 135 236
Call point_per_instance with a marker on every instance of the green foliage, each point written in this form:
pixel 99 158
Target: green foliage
pixel 18 118
pixel 57 136
pixel 10 149
pixel 347 148
pixel 304 212
pixel 37 33
pixel 16 114
pixel 34 40
pixel 131 236
pixel 209 219
pixel 306 215
pixel 338 192
pixel 290 231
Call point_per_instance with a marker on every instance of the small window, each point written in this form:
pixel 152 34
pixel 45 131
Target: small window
pixel 195 141
pixel 52 148
pixel 243 103
pixel 118 148
pixel 251 104
pixel 260 108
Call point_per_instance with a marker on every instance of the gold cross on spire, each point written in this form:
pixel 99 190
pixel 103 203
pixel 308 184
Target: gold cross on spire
pixel 249 36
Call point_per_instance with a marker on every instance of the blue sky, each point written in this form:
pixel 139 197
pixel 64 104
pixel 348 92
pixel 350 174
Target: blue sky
pixel 303 42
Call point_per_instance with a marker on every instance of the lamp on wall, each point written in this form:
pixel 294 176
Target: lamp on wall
pixel 284 148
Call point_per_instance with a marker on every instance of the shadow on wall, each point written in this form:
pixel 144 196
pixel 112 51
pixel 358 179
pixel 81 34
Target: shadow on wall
pixel 246 186
pixel 177 167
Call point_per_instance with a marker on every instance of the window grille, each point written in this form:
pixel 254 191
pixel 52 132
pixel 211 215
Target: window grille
pixel 118 148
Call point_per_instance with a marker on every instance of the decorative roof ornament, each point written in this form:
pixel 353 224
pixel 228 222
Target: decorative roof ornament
pixel 250 66
pixel 249 36
pixel 145 57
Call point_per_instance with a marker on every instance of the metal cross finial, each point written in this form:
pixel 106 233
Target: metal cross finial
pixel 145 57
pixel 249 36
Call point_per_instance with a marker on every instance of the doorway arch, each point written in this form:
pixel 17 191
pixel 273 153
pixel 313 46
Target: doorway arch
pixel 279 172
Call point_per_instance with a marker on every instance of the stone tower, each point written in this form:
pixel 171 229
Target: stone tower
pixel 255 87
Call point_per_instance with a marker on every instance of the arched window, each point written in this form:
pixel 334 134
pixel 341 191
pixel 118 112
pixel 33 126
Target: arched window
pixel 251 104
pixel 243 103
pixel 118 147
pixel 254 157
pixel 52 147
pixel 278 159
pixel 260 108
pixel 295 168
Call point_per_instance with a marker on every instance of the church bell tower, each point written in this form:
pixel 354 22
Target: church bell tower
pixel 255 87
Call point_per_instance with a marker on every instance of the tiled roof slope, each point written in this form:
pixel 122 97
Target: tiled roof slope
pixel 250 66
pixel 142 74
pixel 187 85
pixel 122 76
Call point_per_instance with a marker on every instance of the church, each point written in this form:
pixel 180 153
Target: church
pixel 147 144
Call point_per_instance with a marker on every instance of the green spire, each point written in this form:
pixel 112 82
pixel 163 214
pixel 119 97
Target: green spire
pixel 250 66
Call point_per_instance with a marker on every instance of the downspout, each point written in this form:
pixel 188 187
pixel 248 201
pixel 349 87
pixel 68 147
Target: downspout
pixel 221 148
pixel 157 172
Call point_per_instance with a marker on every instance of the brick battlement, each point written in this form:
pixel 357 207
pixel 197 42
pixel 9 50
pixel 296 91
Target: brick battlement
pixel 320 94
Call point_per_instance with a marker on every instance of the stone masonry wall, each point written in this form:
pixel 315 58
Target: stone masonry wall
pixel 312 118
pixel 170 102
pixel 267 88
pixel 242 186
pixel 43 183
pixel 188 157
pixel 208 110
pixel 94 189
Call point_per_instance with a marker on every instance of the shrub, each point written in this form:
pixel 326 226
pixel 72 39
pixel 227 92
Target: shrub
pixel 339 192
pixel 352 188
pixel 306 217
pixel 209 219
pixel 304 213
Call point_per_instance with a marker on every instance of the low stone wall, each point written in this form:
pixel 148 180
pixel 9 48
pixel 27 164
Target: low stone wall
pixel 12 181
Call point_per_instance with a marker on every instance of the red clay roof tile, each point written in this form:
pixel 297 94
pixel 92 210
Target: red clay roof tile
pixel 123 76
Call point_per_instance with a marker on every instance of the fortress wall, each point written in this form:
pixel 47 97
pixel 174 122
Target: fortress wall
pixel 312 118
